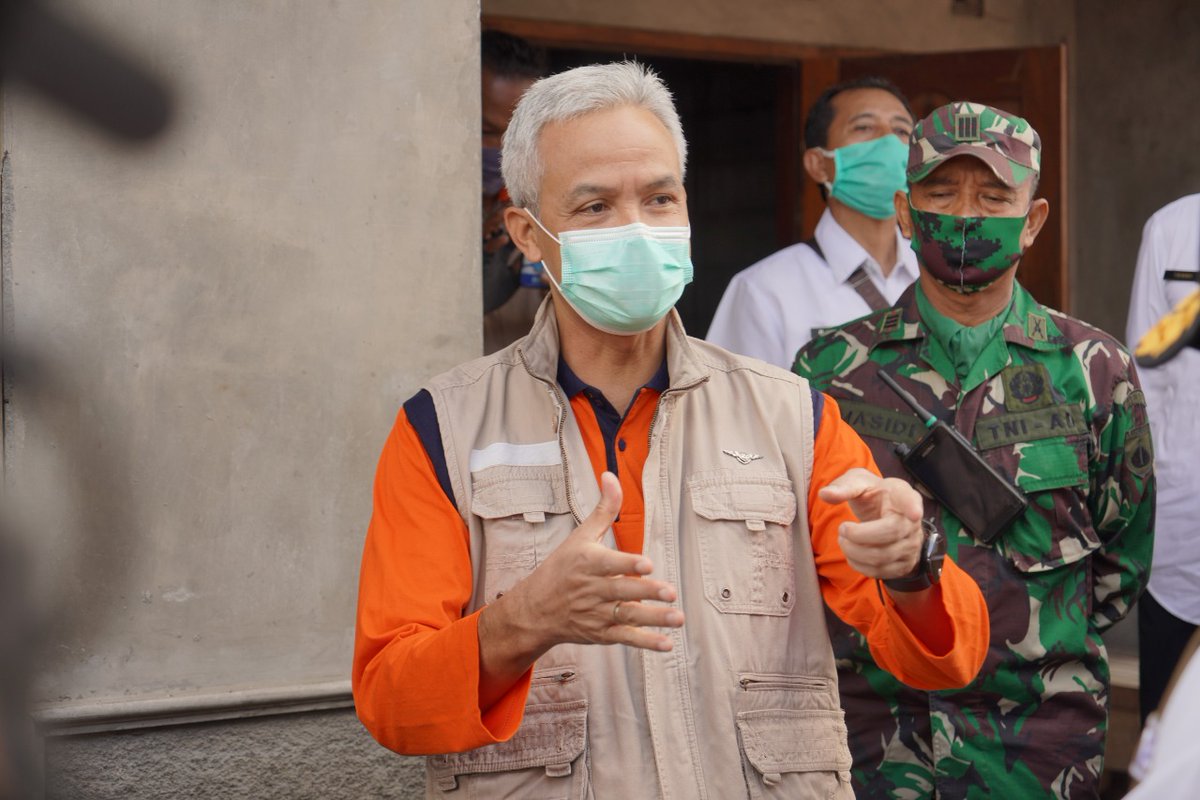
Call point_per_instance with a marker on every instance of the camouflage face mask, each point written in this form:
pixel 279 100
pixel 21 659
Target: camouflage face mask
pixel 966 253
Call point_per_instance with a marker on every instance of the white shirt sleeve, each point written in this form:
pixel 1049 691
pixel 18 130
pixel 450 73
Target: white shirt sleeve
pixel 1148 302
pixel 750 323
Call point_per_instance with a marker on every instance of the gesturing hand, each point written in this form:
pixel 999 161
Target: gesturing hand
pixel 584 592
pixel 886 542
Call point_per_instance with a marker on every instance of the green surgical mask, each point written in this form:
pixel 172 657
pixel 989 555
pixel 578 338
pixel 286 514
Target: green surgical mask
pixel 623 280
pixel 966 253
pixel 868 175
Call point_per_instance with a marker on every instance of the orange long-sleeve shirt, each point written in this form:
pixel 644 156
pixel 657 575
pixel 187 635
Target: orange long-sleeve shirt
pixel 416 658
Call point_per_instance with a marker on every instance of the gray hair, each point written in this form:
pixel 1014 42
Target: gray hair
pixel 569 95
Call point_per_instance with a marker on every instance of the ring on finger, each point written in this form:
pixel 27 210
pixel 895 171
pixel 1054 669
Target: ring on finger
pixel 616 615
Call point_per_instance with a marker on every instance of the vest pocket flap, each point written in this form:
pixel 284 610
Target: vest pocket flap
pixel 507 490
pixel 753 499
pixel 551 736
pixel 781 740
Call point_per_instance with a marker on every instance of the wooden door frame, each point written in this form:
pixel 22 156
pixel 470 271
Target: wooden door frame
pixel 608 38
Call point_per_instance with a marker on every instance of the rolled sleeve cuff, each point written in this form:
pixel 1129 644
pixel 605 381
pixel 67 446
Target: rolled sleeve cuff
pixel 897 648
pixel 500 721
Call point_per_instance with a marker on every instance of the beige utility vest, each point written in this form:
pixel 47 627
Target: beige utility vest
pixel 746 704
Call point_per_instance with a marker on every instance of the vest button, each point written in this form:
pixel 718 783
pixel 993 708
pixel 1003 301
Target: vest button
pixel 785 597
pixel 726 593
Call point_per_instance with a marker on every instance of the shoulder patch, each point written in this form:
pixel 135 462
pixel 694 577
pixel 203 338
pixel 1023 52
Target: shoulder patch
pixel 1135 403
pixel 1139 452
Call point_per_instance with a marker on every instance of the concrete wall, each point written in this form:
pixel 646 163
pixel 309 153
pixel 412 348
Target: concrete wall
pixel 1136 142
pixel 901 25
pixel 307 757
pixel 227 321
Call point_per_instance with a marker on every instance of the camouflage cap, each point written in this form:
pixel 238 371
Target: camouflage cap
pixel 1005 142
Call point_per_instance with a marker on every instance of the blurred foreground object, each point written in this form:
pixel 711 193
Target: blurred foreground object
pixel 1180 328
pixel 94 79
pixel 79 70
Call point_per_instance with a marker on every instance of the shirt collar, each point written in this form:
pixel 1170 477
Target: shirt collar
pixel 1027 322
pixel 968 349
pixel 844 255
pixel 539 351
pixel 1030 324
pixel 573 385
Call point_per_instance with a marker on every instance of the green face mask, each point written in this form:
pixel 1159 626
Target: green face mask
pixel 623 280
pixel 868 175
pixel 966 253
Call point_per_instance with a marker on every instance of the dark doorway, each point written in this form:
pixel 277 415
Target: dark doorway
pixel 729 113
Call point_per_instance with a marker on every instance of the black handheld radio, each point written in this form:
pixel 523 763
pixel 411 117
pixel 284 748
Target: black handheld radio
pixel 950 468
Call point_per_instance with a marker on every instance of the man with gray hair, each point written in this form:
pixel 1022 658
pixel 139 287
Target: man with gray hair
pixel 606 478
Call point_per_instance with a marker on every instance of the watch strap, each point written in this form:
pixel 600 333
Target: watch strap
pixel 924 574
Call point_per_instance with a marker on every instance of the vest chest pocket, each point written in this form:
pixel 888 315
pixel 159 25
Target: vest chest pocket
pixel 1057 528
pixel 525 514
pixel 744 537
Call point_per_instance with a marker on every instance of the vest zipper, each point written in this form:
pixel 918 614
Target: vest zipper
pixel 658 405
pixel 752 683
pixel 566 676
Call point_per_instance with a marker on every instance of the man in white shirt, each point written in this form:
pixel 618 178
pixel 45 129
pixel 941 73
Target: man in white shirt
pixel 857 138
pixel 1168 270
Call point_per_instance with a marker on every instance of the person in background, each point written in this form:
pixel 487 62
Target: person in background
pixel 512 289
pixel 857 139
pixel 608 480
pixel 1168 269
pixel 1053 406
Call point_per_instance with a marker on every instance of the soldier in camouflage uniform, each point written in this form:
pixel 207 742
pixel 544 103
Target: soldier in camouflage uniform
pixel 1052 403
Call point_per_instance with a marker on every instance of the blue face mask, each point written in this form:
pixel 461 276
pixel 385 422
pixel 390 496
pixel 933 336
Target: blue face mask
pixel 868 175
pixel 623 280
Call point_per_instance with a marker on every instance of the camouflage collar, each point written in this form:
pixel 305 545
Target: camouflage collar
pixel 901 322
pixel 1028 323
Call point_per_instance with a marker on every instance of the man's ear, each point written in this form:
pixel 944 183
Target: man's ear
pixel 1039 210
pixel 523 232
pixel 818 167
pixel 903 218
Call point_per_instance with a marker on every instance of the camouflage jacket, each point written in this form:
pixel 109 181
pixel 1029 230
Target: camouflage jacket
pixel 1056 407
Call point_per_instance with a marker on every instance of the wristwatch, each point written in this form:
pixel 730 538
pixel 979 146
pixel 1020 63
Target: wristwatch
pixel 929 567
